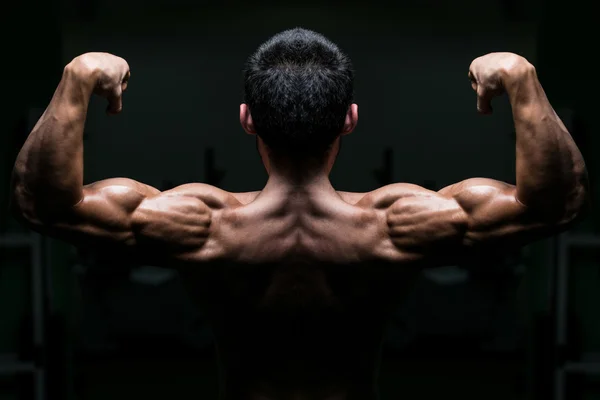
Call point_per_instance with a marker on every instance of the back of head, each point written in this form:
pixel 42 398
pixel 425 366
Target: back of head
pixel 298 86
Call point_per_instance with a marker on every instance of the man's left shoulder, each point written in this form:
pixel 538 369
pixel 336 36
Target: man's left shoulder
pixel 212 196
pixel 246 197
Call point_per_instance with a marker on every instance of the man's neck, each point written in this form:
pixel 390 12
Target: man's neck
pixel 298 175
pixel 299 184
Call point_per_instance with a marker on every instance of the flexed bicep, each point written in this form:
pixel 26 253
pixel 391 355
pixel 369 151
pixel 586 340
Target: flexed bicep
pixel 173 223
pixel 494 216
pixel 424 222
pixel 125 215
pixel 470 216
pixel 104 215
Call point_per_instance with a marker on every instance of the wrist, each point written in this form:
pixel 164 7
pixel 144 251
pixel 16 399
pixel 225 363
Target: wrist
pixel 518 74
pixel 82 73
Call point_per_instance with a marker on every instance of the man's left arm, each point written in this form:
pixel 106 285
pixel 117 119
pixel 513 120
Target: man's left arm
pixel 48 194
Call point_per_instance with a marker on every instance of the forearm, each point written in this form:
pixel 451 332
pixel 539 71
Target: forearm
pixel 48 171
pixel 551 173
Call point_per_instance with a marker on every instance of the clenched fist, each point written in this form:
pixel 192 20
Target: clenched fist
pixel 109 75
pixel 491 73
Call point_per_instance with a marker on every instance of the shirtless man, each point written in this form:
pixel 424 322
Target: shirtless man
pixel 298 279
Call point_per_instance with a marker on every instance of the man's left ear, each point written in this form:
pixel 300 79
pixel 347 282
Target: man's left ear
pixel 246 119
pixel 351 119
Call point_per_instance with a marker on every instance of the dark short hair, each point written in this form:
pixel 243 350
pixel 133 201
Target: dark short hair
pixel 298 86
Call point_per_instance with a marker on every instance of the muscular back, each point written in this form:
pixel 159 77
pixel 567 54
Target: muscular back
pixel 297 285
pixel 197 227
pixel 401 224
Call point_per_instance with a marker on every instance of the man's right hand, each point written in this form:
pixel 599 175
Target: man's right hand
pixel 490 74
pixel 107 73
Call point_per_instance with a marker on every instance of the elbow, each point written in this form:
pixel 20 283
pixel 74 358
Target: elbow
pixel 18 197
pixel 579 202
pixel 577 208
pixel 584 206
pixel 21 206
pixel 567 206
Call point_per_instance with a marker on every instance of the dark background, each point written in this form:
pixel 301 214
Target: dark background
pixel 110 333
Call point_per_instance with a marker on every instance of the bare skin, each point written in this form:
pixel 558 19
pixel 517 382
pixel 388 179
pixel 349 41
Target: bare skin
pixel 298 279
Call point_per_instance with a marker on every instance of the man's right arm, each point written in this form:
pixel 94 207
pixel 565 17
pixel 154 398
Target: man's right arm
pixel 551 190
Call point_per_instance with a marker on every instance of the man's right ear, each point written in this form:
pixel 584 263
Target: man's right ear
pixel 246 119
pixel 351 119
